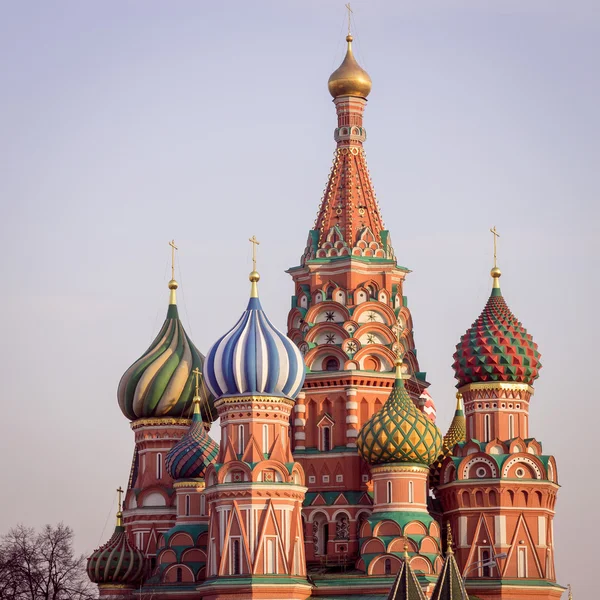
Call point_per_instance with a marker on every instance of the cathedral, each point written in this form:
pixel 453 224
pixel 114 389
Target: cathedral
pixel 332 479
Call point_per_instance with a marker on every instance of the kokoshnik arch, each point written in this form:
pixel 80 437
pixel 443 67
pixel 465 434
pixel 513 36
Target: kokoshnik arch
pixel 331 479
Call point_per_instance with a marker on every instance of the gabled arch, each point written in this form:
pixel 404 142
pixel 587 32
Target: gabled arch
pixel 422 564
pixel 170 574
pixel 234 465
pixel 321 329
pixel 315 356
pixel 384 354
pixel 531 462
pixel 466 469
pixel 372 546
pixel 378 330
pixel 387 527
pixel 377 565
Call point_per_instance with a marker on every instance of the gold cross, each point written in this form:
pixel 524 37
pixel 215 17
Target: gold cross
pixel 254 243
pixel 173 248
pixel 120 492
pixel 197 373
pixel 349 16
pixel 496 236
pixel 399 347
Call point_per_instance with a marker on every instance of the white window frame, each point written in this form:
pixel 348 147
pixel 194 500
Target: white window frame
pixel 159 470
pixel 265 433
pixel 487 426
pixel 389 495
pixel 411 492
pixel 241 439
pixel 522 562
pixel 188 505
pixel 511 427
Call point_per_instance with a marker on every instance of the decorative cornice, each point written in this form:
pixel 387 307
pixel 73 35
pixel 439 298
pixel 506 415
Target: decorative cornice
pixel 252 398
pixel 160 422
pixel 496 385
pixel 399 468
pixel 197 484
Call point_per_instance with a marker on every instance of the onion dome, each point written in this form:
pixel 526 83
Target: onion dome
pixel 450 584
pixel 117 561
pixel 428 406
pixel 349 79
pixel 399 432
pixel 496 348
pixel 254 357
pixel 406 586
pixel 160 383
pixel 194 452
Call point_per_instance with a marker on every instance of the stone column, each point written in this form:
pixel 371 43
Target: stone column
pixel 351 417
pixel 300 422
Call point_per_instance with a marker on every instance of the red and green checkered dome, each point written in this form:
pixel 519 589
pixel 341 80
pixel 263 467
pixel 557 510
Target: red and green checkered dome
pixel 496 348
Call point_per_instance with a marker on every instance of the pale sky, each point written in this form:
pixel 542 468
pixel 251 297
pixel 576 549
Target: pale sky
pixel 125 124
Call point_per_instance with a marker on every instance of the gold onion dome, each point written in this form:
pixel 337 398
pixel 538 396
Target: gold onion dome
pixel 349 79
pixel 399 432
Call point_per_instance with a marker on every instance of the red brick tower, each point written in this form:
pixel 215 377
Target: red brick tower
pixel 156 394
pixel 498 490
pixel 348 300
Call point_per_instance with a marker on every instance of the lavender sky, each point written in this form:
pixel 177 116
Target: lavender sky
pixel 125 124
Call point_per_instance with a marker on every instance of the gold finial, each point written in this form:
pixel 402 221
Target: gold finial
pixel 570 593
pixel 405 550
pixel 254 276
pixel 449 540
pixel 120 507
pixel 173 284
pixel 197 374
pixel 459 404
pixel 349 21
pixel 495 272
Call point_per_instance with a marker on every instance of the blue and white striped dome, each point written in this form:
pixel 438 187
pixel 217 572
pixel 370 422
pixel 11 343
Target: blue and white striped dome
pixel 254 358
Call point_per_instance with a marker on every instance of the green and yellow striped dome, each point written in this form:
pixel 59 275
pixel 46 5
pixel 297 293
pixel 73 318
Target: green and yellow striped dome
pixel 399 432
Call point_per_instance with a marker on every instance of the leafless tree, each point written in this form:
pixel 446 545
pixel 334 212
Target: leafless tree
pixel 42 566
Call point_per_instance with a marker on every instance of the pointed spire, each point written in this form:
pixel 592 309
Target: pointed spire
pixel 450 584
pixel 406 586
pixel 173 285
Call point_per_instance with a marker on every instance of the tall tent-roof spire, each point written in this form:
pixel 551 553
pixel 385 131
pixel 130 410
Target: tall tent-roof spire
pixel 349 222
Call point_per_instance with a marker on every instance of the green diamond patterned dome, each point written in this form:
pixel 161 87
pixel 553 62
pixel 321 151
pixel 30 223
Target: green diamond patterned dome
pixel 496 348
pixel 399 432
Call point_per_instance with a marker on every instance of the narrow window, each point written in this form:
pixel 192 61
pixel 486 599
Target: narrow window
pixel 389 492
pixel 411 494
pixel 485 558
pixel 488 428
pixel 179 575
pixel 388 566
pixel 187 506
pixel 326 439
pixel 265 439
pixel 202 505
pixel 241 439
pixel 522 564
pixel 159 466
pixel 271 559
pixel 236 557
pixel 511 427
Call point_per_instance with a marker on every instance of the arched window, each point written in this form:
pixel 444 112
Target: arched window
pixel 236 558
pixel 179 574
pixel 511 427
pixel 488 428
pixel 388 566
pixel 159 466
pixel 326 439
pixel 411 492
pixel 187 505
pixel 389 492
pixel 265 431
pixel 485 558
pixel 332 364
pixel 202 504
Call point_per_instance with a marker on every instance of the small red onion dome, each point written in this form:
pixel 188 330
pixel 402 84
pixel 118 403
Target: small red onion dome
pixel 496 348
